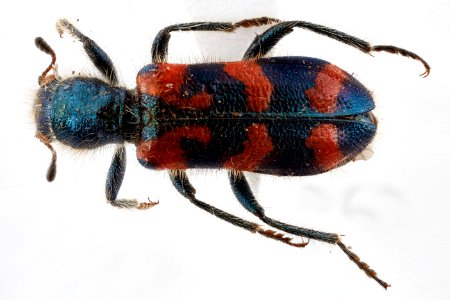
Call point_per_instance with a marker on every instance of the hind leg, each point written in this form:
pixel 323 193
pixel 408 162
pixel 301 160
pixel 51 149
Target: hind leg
pixel 245 196
pixel 263 43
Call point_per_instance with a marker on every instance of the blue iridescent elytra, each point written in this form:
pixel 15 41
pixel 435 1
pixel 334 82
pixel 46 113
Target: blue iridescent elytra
pixel 286 116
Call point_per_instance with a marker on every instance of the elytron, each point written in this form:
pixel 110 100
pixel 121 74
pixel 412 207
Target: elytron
pixel 286 116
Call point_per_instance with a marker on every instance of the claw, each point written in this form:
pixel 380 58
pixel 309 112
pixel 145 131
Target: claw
pixel 404 52
pixel 146 205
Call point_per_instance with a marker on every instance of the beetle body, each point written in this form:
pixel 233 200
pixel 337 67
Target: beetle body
pixel 288 116
pixel 280 115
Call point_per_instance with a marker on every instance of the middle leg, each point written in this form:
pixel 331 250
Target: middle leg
pixel 181 182
pixel 161 42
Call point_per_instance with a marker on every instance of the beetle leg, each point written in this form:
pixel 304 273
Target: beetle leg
pixel 263 43
pixel 96 54
pixel 245 196
pixel 114 180
pixel 161 41
pixel 243 193
pixel 181 182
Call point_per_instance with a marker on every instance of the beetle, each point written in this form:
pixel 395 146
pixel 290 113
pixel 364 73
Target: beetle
pixel 285 116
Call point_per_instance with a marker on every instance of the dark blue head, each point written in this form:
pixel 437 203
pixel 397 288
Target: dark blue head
pixel 80 112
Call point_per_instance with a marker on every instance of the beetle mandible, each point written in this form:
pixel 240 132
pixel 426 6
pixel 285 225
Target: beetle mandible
pixel 286 116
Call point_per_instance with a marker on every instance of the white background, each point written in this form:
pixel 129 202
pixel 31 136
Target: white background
pixel 62 241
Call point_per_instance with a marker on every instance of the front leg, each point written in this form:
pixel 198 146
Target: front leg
pixel 114 180
pixel 96 54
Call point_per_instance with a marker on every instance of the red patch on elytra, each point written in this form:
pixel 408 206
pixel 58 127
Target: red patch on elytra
pixel 258 87
pixel 327 85
pixel 166 82
pixel 324 141
pixel 165 152
pixel 257 146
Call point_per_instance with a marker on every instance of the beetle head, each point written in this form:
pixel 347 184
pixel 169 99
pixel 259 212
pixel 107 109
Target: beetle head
pixel 79 112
